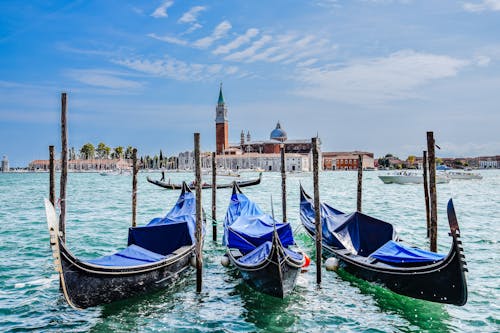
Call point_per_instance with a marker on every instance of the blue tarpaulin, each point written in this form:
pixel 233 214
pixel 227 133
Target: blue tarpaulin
pixel 362 235
pixel 395 252
pixel 159 238
pixel 246 227
pixel 132 255
pixel 258 255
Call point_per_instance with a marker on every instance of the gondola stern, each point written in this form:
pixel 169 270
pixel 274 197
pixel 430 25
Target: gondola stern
pixel 55 245
pixel 459 251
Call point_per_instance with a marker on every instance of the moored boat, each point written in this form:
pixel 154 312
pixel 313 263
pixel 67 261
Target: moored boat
pixel 155 256
pixel 171 186
pixel 411 177
pixel 463 175
pixel 370 249
pixel 260 247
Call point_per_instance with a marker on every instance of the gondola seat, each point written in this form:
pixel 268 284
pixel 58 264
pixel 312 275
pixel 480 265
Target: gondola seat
pixel 397 253
pixel 132 255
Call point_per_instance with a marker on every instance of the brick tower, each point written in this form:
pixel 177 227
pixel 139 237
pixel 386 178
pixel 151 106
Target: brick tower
pixel 221 125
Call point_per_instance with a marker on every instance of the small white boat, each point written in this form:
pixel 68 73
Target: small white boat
pixel 463 175
pixel 410 177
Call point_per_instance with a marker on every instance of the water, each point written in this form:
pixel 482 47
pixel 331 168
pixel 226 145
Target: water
pixel 99 214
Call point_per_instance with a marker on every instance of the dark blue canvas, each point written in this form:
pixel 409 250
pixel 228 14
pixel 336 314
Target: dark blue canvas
pixel 160 237
pixel 257 256
pixel 246 226
pixel 132 255
pixel 395 252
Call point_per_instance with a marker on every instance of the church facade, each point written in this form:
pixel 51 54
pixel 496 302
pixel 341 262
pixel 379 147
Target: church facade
pixel 251 155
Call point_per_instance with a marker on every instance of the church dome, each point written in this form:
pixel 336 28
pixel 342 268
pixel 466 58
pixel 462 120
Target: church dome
pixel 278 133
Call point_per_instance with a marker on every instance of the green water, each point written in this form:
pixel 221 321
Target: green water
pixel 99 214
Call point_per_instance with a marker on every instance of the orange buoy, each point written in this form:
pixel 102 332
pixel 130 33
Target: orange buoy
pixel 307 262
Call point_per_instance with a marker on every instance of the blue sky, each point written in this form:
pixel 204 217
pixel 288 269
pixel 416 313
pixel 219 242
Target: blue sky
pixel 365 74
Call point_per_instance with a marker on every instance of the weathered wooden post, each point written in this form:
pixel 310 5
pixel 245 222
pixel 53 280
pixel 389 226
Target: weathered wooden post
pixel 52 177
pixel 283 181
pixel 432 191
pixel 317 209
pixel 135 169
pixel 214 198
pixel 199 240
pixel 360 182
pixel 426 194
pixel 64 167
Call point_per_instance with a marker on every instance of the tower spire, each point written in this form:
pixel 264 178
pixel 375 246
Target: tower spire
pixel 221 98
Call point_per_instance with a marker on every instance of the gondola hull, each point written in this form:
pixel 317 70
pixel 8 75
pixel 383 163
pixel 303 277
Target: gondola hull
pixel 275 276
pixel 441 282
pixel 170 186
pixel 87 285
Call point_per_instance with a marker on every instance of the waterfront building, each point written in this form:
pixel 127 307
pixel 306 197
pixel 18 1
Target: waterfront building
pixel 5 164
pixel 347 160
pixel 83 165
pixel 489 162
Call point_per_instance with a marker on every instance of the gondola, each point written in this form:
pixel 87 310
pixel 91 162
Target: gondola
pixel 156 255
pixel 260 247
pixel 171 186
pixel 370 249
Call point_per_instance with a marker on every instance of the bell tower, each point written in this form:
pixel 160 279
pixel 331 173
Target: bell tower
pixel 221 125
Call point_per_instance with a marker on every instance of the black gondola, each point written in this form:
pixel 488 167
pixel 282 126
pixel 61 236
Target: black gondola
pixel 260 247
pixel 170 186
pixel 156 255
pixel 369 249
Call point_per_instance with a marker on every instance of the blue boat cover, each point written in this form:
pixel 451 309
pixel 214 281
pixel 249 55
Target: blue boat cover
pixel 159 238
pixel 258 255
pixel 246 226
pixel 362 235
pixel 132 255
pixel 357 232
pixel 395 252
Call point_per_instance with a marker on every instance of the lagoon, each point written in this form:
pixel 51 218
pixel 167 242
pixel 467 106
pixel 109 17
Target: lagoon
pixel 99 213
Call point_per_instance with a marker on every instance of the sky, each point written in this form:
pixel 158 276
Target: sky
pixel 371 75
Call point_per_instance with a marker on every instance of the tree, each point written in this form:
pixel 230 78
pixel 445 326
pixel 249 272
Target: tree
pixel 439 160
pixel 87 151
pixel 118 152
pixel 103 150
pixel 161 158
pixel 128 152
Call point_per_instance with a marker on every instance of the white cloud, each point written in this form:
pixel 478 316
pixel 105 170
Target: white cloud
pixel 193 27
pixel 240 40
pixel 161 11
pixel 286 49
pixel 249 52
pixel 176 69
pixel 103 79
pixel 484 5
pixel 219 32
pixel 169 39
pixel 482 61
pixel 191 15
pixel 378 80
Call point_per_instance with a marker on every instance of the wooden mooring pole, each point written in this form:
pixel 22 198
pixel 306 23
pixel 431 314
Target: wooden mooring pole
pixel 360 182
pixel 64 167
pixel 283 181
pixel 135 169
pixel 317 209
pixel 52 177
pixel 432 191
pixel 426 193
pixel 214 198
pixel 199 235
